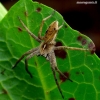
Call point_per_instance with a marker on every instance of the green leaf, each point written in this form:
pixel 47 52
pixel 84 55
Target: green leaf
pixel 3 11
pixel 81 66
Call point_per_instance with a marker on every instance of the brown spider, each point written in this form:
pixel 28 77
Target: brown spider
pixel 46 48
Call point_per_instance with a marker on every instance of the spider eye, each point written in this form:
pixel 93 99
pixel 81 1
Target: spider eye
pixel 54 28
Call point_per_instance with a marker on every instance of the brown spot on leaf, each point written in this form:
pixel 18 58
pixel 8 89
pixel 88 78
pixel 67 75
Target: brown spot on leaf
pixel 71 99
pixel 79 38
pixel 4 91
pixel 26 13
pixel 60 53
pixel 19 29
pixel 84 41
pixel 63 79
pixel 38 9
pixel 92 47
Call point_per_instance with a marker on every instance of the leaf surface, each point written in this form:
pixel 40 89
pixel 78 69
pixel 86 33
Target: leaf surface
pixel 80 66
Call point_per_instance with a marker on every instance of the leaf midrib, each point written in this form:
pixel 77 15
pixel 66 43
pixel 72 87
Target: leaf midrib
pixel 38 69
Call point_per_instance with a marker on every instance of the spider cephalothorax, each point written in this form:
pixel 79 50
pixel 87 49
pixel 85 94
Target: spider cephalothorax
pixel 46 47
pixel 48 43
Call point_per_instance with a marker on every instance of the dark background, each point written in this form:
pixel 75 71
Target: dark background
pixel 81 17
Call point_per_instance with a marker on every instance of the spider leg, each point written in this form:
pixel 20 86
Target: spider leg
pixel 26 61
pixel 56 68
pixel 25 54
pixel 70 48
pixel 42 23
pixel 29 32
pixel 61 26
pixel 52 59
pixel 53 70
pixel 53 63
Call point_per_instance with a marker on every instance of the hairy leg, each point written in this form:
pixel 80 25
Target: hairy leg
pixel 25 54
pixel 60 26
pixel 53 70
pixel 52 59
pixel 26 61
pixel 29 32
pixel 53 63
pixel 70 48
pixel 42 23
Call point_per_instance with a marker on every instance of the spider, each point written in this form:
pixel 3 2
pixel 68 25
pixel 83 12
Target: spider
pixel 46 47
